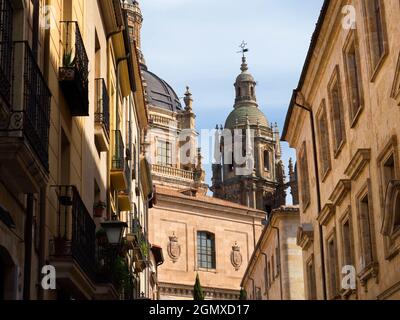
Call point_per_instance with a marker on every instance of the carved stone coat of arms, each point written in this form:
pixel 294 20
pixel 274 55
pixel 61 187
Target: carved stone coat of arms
pixel 236 257
pixel 174 248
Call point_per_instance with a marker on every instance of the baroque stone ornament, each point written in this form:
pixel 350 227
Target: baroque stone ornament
pixel 236 257
pixel 174 248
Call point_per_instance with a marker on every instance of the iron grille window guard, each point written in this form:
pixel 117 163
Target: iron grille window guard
pixel 6 29
pixel 30 115
pixel 102 115
pixel 75 229
pixel 74 70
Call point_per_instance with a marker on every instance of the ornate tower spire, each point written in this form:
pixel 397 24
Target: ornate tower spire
pixel 135 21
pixel 245 83
pixel 188 100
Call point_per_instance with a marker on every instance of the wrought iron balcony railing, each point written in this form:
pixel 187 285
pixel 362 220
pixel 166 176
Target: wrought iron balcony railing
pixel 30 114
pixel 142 243
pixel 6 27
pixel 75 230
pixel 74 69
pixel 118 159
pixel 102 115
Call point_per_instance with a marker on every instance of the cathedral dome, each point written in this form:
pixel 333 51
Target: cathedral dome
pixel 246 107
pixel 241 114
pixel 160 93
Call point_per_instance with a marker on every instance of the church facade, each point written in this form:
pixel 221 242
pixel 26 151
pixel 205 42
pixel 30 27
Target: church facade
pixel 212 236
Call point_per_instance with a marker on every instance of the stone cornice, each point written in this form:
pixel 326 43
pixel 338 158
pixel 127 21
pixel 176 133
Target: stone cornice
pixel 326 214
pixel 181 290
pixel 305 236
pixel 357 164
pixel 340 191
pixel 193 202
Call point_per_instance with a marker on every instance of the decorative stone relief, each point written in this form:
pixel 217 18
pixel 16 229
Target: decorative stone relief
pixel 174 248
pixel 236 257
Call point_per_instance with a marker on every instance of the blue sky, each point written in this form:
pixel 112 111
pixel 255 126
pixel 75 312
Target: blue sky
pixel 195 43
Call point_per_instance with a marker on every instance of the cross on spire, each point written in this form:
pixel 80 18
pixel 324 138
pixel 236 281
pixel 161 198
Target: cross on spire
pixel 244 48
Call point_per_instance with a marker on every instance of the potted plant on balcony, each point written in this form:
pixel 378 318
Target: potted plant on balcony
pixel 98 209
pixel 67 71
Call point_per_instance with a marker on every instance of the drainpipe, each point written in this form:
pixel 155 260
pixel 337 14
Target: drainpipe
pixel 321 238
pixel 28 247
pixel 280 259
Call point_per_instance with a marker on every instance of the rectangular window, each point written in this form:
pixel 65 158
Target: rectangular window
pixel 389 172
pixel 278 260
pixel 332 268
pixel 364 217
pixel 323 138
pixel 164 153
pixel 311 283
pixel 337 114
pixel 376 31
pixel 354 78
pixel 347 243
pixel 304 177
pixel 206 250
pixel 273 267
pixel 266 280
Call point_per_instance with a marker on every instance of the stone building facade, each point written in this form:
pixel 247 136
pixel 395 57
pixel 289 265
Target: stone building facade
pixel 275 270
pixel 197 233
pixel 72 112
pixel 343 123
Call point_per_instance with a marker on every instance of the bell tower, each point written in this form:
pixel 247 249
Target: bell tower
pixel 262 184
pixel 135 22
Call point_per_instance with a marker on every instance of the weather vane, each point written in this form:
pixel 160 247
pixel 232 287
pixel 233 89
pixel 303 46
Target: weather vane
pixel 243 47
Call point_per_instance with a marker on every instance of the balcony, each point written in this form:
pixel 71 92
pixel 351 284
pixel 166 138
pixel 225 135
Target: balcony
pixel 73 252
pixel 6 27
pixel 102 116
pixel 140 246
pixel 24 128
pixel 118 175
pixel 73 72
pixel 171 172
pixel 124 197
pixel 124 201
pixel 73 249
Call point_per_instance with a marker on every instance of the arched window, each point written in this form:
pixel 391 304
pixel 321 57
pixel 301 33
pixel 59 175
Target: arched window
pixel 239 91
pixel 206 250
pixel 252 91
pixel 267 160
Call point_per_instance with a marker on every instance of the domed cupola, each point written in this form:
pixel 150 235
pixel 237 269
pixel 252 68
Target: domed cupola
pixel 246 107
pixel 245 87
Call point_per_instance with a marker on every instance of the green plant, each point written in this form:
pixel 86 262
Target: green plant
pixel 68 61
pixel 198 294
pixel 144 248
pixel 122 276
pixel 243 294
